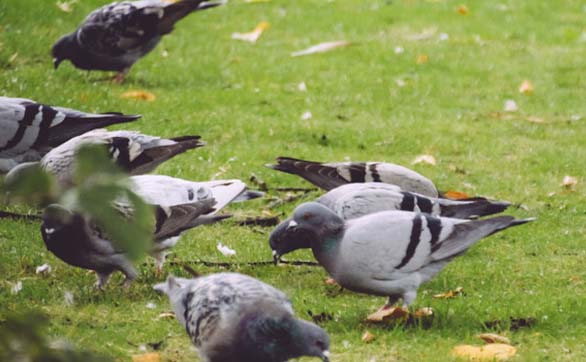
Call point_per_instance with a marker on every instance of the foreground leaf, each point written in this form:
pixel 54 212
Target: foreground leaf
pixel 449 294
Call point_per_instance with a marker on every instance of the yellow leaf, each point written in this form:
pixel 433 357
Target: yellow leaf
pixel 456 195
pixel 368 337
pixel 526 87
pixel 422 59
pixel 449 294
pixel 147 357
pixel 463 10
pixel 494 338
pixel 139 95
pixel 489 352
pixel 252 36
pixel 387 314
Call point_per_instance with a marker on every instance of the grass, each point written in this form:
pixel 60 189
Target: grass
pixel 243 100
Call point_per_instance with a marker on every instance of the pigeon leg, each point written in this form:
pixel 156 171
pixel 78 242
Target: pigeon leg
pixel 126 267
pixel 120 76
pixel 409 297
pixel 159 262
pixel 102 280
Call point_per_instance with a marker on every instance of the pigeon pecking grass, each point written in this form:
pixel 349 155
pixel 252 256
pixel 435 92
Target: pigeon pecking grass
pixel 28 130
pixel 115 36
pixel 232 317
pixel 389 253
pixel 354 200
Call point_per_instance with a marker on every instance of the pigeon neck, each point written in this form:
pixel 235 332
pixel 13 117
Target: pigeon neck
pixel 325 248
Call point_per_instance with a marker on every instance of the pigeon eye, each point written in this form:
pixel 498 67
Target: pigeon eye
pixel 307 216
pixel 320 344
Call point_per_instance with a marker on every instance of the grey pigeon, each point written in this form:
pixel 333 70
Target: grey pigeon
pixel 134 152
pixel 232 317
pixel 115 36
pixel 169 191
pixel 28 129
pixel 331 175
pixel 80 242
pixel 353 200
pixel 389 253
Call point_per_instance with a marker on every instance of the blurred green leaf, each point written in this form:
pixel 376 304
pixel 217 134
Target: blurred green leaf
pixel 93 161
pixel 31 185
pixel 22 338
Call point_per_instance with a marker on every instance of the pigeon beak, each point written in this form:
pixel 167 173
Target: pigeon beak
pixel 292 224
pixel 56 62
pixel 276 257
pixel 325 356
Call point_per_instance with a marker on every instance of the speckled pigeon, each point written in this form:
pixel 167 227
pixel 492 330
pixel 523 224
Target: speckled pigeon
pixel 134 152
pixel 115 36
pixel 80 242
pixel 234 318
pixel 28 129
pixel 353 200
pixel 331 175
pixel 389 253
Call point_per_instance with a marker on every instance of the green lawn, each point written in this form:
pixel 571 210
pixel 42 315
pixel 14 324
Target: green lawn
pixel 243 100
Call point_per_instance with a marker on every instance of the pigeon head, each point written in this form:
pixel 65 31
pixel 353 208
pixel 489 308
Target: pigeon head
pixel 56 217
pixel 64 49
pixel 270 333
pixel 60 225
pixel 284 240
pixel 175 288
pixel 316 219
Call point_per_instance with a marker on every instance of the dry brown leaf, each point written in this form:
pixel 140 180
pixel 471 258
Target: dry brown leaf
pixel 252 36
pixel 569 182
pixel 526 87
pixel 388 314
pixel 330 281
pixel 140 95
pixel 449 294
pixel 489 352
pixel 456 195
pixel 146 357
pixel 422 313
pixel 321 48
pixel 494 338
pixel 422 59
pixel 428 159
pixel 368 337
pixel 463 10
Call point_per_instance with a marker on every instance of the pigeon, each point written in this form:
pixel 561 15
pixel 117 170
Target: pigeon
pixel 328 176
pixel 134 152
pixel 115 36
pixel 354 200
pixel 232 317
pixel 80 242
pixel 169 191
pixel 28 130
pixel 389 253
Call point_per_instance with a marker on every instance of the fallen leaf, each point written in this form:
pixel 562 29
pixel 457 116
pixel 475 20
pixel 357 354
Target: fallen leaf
pixel 463 10
pixel 422 59
pixel 225 250
pixel 146 357
pixel 526 87
pixel 449 294
pixel 166 315
pixel 456 195
pixel 368 337
pixel 330 281
pixel 43 269
pixel 66 7
pixel 534 119
pixel 575 279
pixel 306 116
pixel 321 48
pixel 13 58
pixel 510 106
pixel 139 95
pixel 252 36
pixel 569 182
pixel 428 159
pixel 489 352
pixel 422 313
pixel 388 314
pixel 494 338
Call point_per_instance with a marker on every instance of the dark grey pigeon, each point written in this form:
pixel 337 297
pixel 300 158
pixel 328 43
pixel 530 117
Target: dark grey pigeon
pixel 134 152
pixel 28 129
pixel 115 36
pixel 232 317
pixel 331 175
pixel 389 253
pixel 354 200
pixel 80 242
